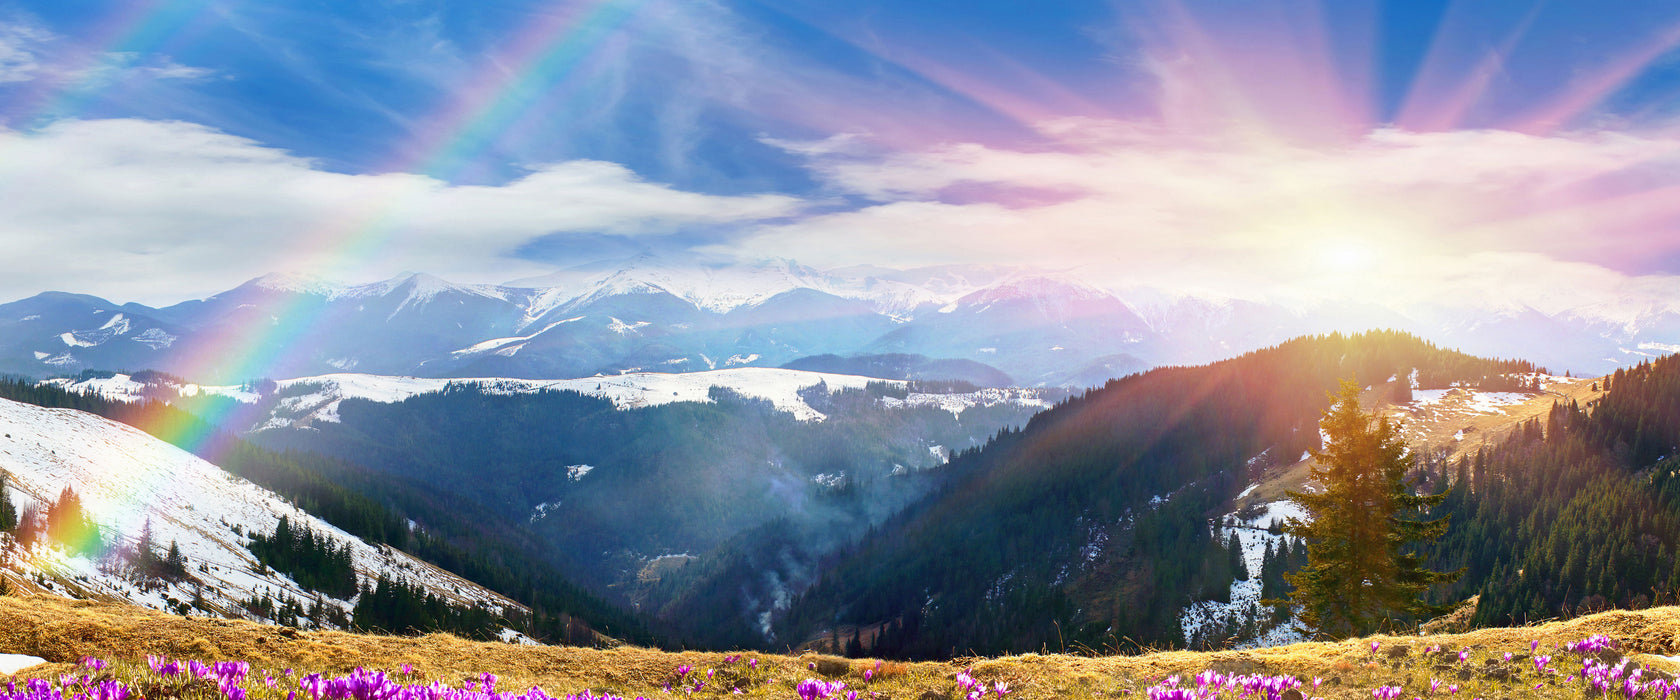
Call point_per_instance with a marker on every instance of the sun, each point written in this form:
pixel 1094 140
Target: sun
pixel 1347 255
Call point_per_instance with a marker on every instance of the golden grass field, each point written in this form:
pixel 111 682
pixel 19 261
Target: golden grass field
pixel 63 631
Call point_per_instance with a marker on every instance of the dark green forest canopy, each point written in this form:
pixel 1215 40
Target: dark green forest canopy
pixel 1576 513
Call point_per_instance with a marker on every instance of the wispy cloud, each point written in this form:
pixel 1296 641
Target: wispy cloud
pixel 21 45
pixel 161 210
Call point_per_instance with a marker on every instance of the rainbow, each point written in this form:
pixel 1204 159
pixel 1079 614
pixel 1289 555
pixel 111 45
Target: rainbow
pixel 545 53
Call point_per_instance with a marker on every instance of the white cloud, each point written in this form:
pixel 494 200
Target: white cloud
pixel 1396 216
pixel 158 211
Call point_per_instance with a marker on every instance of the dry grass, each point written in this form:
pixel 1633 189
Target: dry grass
pixel 64 631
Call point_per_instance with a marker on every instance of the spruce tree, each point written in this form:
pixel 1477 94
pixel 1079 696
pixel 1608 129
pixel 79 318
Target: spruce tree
pixel 8 512
pixel 1358 573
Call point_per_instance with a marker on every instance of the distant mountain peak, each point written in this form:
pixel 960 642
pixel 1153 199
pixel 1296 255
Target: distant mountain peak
pixel 293 282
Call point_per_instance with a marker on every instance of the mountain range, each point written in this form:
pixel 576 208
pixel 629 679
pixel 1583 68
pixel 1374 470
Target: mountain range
pixel 983 324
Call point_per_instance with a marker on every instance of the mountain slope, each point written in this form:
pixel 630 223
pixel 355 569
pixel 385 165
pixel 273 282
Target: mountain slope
pixel 127 479
pixel 1091 524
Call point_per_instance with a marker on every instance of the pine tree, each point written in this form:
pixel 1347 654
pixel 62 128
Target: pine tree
pixel 8 512
pixel 1358 574
pixel 68 524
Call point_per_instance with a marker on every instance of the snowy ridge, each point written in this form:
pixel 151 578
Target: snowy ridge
pixel 957 403
pixel 309 399
pixel 126 477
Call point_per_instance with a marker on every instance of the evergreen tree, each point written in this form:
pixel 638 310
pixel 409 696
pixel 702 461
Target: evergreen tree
pixel 8 512
pixel 175 565
pixel 68 524
pixel 1359 573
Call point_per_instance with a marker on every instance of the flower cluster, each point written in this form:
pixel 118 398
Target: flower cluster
pixel 1590 645
pixel 974 689
pixel 1607 679
pixel 1210 684
pixel 813 689
pixel 230 678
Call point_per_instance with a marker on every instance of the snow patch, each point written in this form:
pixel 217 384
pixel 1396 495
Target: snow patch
pixel 512 636
pixel 118 325
pixel 70 339
pixel 12 663
pixel 543 509
pixel 576 472
pixel 956 404
pixel 157 338
pixel 623 328
pixel 501 346
pixel 1469 399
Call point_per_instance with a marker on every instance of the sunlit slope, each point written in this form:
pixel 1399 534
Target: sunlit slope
pixel 1453 421
pixel 1091 524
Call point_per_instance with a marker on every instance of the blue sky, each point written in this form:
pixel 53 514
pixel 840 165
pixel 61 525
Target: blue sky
pixel 1255 148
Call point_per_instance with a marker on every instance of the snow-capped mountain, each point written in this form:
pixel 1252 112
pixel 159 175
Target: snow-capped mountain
pixel 1036 327
pixel 126 479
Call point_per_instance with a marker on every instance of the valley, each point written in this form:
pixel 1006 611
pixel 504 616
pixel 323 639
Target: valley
pixel 773 508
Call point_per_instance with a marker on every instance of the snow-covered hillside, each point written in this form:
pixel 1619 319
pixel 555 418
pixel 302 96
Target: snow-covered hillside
pixel 126 478
pixel 1202 619
pixel 309 399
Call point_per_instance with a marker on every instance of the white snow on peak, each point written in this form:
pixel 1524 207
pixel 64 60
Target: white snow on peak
pixel 126 478
pixel 1038 285
pixel 295 282
pixel 117 324
pixel 718 289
